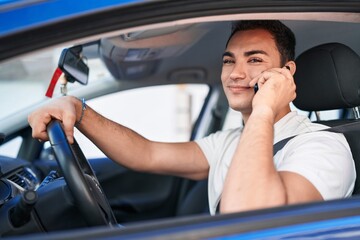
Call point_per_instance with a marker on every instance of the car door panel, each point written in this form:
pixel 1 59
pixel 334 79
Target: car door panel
pixel 134 195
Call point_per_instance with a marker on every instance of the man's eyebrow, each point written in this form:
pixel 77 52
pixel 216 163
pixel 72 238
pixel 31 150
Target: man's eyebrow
pixel 252 52
pixel 246 54
pixel 228 54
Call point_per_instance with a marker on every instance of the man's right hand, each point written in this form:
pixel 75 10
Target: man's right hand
pixel 66 109
pixel 276 90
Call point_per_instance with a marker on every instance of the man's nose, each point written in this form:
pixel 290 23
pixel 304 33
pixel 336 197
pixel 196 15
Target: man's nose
pixel 238 72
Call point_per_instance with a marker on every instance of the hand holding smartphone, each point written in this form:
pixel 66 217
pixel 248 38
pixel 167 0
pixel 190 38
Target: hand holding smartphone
pixel 256 86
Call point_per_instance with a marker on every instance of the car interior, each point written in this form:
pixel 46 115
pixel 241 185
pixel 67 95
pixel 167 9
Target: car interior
pixel 327 79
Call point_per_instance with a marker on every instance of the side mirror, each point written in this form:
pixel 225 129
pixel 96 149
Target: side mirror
pixel 73 66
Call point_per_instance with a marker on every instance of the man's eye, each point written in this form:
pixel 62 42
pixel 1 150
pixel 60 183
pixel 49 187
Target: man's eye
pixel 255 60
pixel 228 61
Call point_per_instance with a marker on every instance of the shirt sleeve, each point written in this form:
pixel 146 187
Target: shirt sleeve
pixel 208 147
pixel 324 159
pixel 216 143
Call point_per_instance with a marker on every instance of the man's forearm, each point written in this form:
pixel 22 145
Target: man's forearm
pixel 252 181
pixel 133 151
pixel 119 143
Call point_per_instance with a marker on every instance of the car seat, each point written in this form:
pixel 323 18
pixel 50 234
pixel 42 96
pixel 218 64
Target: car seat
pixel 328 77
pixel 196 200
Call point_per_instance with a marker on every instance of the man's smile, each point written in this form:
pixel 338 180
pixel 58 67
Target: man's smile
pixel 238 88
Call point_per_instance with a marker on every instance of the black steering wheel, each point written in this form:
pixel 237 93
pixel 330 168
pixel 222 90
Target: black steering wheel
pixel 80 178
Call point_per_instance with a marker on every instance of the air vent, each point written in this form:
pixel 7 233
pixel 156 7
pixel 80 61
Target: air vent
pixel 25 178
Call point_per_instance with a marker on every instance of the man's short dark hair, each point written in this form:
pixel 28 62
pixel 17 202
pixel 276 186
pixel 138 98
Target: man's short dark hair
pixel 283 36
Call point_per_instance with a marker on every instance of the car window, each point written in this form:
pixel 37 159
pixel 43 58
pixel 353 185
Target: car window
pixel 161 113
pixel 25 79
pixel 11 148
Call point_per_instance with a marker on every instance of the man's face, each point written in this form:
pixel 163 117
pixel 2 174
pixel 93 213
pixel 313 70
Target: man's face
pixel 247 55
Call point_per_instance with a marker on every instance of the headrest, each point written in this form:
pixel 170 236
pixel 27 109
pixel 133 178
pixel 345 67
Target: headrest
pixel 327 77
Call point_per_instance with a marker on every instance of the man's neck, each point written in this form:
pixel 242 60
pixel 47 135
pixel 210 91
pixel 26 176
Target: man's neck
pixel 279 116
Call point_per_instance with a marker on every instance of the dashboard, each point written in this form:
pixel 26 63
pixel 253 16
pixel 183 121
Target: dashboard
pixel 16 176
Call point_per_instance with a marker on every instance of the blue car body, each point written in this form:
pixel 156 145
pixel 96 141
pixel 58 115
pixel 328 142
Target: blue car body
pixel 20 15
pixel 336 219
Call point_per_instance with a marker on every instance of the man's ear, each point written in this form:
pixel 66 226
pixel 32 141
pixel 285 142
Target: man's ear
pixel 291 66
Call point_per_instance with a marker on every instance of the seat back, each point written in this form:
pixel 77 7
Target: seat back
pixel 353 139
pixel 196 200
pixel 327 78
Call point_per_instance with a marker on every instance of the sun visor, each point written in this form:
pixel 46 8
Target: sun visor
pixel 137 54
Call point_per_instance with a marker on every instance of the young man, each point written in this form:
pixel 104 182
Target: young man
pixel 239 163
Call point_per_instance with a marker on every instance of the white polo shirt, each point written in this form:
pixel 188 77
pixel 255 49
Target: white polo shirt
pixel 324 158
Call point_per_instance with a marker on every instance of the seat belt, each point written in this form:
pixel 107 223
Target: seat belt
pixel 338 129
pixel 279 145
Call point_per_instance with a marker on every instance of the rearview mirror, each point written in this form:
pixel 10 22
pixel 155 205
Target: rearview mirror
pixel 73 66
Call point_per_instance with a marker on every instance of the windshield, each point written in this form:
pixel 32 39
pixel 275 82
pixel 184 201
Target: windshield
pixel 24 80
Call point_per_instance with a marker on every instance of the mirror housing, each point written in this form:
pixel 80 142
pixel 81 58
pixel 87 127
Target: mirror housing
pixel 73 65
